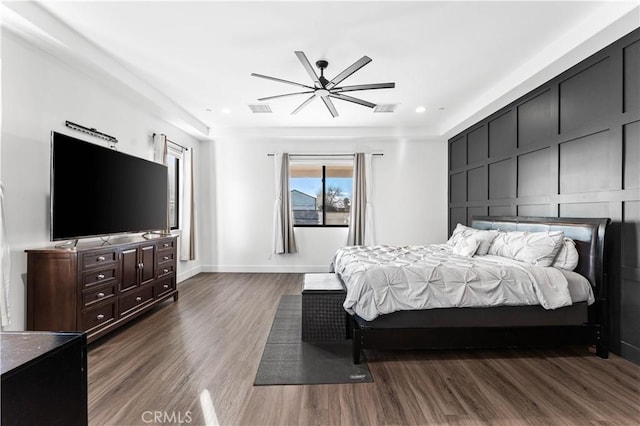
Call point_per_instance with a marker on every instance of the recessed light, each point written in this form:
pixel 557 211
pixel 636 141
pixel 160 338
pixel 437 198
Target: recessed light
pixel 385 108
pixel 260 108
pixel 226 111
pixel 421 109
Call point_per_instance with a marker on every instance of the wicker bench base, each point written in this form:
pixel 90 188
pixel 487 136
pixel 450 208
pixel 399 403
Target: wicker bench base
pixel 323 317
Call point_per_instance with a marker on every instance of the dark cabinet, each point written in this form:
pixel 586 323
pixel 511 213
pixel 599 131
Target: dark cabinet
pixel 44 378
pixel 129 267
pixel 97 288
pixel 138 266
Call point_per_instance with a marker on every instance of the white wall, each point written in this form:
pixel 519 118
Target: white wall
pixel 409 196
pixel 40 92
pixel 234 175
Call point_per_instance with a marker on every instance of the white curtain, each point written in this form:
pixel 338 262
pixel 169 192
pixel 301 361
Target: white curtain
pixel 187 216
pixel 161 155
pixel 283 237
pixel 369 237
pixel 5 264
pixel 361 220
pixel 161 149
pixel 188 205
pixel 355 236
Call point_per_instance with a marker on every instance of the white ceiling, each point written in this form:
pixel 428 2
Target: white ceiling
pixel 454 58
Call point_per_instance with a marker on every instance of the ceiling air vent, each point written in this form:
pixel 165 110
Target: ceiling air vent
pixel 385 108
pixel 260 108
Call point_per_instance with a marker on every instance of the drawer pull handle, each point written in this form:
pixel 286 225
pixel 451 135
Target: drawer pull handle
pixel 100 295
pixel 165 245
pixel 166 270
pixel 100 317
pixel 166 258
pixel 166 286
pixel 100 276
pixel 138 299
pixel 100 258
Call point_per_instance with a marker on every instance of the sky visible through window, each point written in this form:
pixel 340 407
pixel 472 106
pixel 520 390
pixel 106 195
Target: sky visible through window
pixel 313 186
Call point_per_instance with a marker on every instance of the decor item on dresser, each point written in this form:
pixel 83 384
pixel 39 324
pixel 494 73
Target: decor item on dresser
pixel 97 287
pixel 445 296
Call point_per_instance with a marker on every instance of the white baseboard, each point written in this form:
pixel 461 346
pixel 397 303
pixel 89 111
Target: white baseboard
pixel 184 275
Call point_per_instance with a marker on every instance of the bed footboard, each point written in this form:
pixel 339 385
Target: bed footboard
pixel 475 338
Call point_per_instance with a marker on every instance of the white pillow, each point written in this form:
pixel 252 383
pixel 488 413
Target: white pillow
pixel 456 234
pixel 483 237
pixel 567 257
pixel 466 247
pixel 537 248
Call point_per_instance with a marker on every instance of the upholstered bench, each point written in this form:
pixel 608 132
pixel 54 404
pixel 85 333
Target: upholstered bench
pixel 323 317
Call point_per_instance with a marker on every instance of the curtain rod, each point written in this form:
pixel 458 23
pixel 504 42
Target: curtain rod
pixel 377 154
pixel 175 143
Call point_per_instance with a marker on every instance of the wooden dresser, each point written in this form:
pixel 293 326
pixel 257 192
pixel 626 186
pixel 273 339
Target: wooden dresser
pixel 98 287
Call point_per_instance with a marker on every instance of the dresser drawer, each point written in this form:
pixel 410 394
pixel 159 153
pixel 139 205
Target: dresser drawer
pixel 166 257
pixel 167 245
pixel 98 294
pixel 100 276
pixel 98 316
pixel 96 259
pixel 164 286
pixel 135 298
pixel 165 270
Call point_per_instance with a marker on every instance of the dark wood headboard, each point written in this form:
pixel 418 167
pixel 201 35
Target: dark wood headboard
pixel 588 234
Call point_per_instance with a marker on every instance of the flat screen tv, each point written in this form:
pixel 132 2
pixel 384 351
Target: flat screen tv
pixel 98 191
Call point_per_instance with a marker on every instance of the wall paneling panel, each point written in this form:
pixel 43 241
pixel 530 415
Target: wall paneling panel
pixel 571 148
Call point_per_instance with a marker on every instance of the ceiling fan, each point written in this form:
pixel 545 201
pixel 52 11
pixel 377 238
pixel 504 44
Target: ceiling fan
pixel 326 89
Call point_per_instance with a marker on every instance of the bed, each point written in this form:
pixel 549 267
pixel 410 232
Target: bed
pixel 402 297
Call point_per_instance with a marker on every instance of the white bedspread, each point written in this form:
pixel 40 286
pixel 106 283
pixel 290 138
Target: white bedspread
pixel 385 279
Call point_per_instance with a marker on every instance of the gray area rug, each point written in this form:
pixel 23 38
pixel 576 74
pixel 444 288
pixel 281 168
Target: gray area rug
pixel 287 360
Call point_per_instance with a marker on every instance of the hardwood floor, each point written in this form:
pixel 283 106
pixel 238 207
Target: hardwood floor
pixel 205 348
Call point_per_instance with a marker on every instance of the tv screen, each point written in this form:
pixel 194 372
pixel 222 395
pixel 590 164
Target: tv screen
pixel 97 191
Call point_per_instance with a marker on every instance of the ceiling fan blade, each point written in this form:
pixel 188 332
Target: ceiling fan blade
pixel 330 106
pixel 307 66
pixel 347 72
pixel 363 87
pixel 286 94
pixel 304 104
pixel 281 80
pixel 352 99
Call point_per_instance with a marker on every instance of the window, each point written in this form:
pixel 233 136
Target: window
pixel 320 193
pixel 173 164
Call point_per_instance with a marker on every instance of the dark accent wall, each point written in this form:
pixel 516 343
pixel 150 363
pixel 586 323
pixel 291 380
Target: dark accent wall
pixel 569 148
